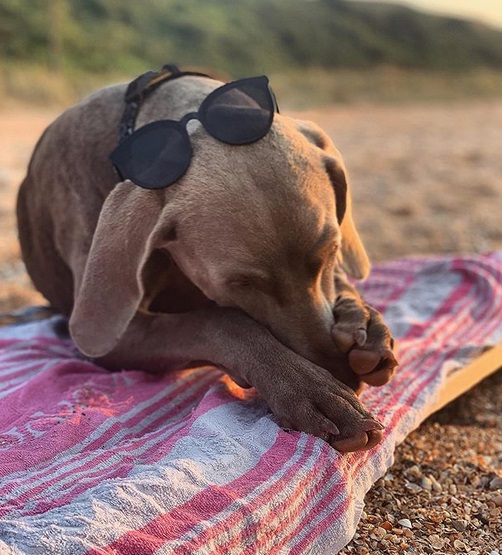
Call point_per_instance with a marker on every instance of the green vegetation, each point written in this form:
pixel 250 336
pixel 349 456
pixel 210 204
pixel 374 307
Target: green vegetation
pixel 108 38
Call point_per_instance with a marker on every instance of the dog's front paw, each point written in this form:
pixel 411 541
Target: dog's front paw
pixel 360 331
pixel 309 399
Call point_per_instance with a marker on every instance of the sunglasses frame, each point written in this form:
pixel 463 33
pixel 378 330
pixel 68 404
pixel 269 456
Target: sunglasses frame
pixel 121 154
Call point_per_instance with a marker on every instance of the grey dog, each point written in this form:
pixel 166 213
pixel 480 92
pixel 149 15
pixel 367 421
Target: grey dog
pixel 241 263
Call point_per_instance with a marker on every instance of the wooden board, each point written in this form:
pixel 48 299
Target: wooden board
pixel 465 378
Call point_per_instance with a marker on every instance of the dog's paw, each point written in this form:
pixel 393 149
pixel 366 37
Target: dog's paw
pixel 311 400
pixel 360 331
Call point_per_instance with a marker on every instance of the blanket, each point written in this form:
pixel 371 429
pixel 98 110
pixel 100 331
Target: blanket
pixel 127 463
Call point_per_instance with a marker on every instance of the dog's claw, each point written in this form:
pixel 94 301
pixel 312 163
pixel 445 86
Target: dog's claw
pixel 374 438
pixel 360 337
pixel 360 442
pixel 372 424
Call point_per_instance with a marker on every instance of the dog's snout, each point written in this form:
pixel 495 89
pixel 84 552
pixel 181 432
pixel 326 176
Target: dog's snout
pixel 304 324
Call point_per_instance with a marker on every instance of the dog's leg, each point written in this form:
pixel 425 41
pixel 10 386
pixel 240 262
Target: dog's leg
pixel 302 395
pixel 360 331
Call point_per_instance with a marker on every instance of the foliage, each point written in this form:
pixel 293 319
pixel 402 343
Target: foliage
pixel 239 36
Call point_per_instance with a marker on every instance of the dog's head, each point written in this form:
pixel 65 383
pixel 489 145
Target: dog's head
pixel 260 227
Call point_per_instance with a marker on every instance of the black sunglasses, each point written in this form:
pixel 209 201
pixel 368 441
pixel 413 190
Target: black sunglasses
pixel 158 154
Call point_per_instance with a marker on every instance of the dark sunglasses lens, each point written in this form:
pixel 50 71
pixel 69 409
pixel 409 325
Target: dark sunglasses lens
pixel 241 114
pixel 155 156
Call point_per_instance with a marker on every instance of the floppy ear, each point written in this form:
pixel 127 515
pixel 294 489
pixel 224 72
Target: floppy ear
pixel 111 287
pixel 353 256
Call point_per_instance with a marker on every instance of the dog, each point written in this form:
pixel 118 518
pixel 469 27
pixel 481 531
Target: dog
pixel 241 263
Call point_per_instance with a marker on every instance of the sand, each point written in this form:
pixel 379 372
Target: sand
pixel 425 179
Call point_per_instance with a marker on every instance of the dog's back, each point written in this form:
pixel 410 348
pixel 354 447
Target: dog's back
pixel 56 188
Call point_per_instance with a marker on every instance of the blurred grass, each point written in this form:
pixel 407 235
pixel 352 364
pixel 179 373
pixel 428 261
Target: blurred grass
pixel 383 85
pixel 38 86
pixel 296 89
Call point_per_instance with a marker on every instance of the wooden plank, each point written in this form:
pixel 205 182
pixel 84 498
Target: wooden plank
pixel 465 378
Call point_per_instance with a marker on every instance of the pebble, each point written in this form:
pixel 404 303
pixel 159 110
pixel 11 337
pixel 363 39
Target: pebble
pixel 497 500
pixel 426 483
pixel 405 522
pixel 459 525
pixel 413 488
pixel 436 486
pixel 496 483
pixel 476 481
pixel 414 472
pixel 436 542
pixel 380 532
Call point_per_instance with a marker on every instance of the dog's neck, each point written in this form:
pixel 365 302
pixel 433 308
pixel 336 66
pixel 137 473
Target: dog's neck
pixel 140 88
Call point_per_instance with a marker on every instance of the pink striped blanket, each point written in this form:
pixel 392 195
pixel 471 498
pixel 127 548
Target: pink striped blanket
pixel 94 462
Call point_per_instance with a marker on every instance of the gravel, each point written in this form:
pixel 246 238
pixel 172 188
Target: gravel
pixel 443 494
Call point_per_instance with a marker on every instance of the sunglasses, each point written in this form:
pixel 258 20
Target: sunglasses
pixel 158 154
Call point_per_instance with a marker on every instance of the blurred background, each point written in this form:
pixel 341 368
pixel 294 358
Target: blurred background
pixel 412 98
pixel 319 51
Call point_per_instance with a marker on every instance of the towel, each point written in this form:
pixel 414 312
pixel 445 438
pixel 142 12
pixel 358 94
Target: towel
pixel 129 463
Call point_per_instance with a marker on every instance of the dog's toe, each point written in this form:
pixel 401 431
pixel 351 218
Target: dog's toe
pixel 373 367
pixel 360 442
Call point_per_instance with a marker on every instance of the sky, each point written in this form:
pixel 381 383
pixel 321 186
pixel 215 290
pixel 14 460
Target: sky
pixel 488 11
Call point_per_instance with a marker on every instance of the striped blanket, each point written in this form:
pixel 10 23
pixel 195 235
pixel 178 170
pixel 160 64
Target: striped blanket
pixel 126 463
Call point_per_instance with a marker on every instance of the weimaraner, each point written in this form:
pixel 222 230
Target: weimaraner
pixel 240 263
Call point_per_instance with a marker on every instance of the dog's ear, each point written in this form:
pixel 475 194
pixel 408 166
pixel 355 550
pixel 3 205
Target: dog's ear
pixel 111 287
pixel 352 253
